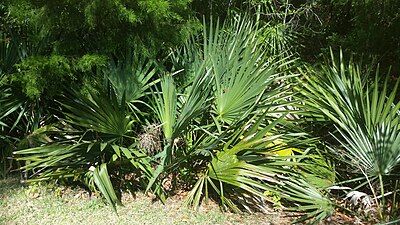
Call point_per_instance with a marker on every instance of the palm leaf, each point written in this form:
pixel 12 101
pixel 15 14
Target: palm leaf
pixel 132 77
pixel 103 182
pixel 98 112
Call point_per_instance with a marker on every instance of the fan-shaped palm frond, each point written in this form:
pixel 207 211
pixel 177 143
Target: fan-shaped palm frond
pixel 132 77
pixel 102 112
pixel 366 116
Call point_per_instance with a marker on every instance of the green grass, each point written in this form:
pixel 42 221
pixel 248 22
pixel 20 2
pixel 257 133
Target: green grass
pixel 39 204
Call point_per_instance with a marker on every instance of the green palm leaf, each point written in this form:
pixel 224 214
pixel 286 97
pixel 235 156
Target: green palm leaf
pixel 103 182
pixel 98 112
pixel 132 77
pixel 366 116
pixel 166 106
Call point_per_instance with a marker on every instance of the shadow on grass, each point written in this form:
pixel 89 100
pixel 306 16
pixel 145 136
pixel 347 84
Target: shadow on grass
pixel 10 184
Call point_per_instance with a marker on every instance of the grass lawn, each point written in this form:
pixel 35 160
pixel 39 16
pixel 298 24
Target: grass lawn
pixel 37 204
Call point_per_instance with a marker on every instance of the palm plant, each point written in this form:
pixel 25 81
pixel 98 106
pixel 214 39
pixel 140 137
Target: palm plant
pixel 226 126
pixel 11 112
pixel 229 60
pixel 366 116
pixel 13 106
pixel 242 74
pixel 93 137
pixel 94 132
pixel 246 165
pixel 177 114
pixel 232 83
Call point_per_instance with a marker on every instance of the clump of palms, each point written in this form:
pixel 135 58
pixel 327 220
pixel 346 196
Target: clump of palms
pixel 225 130
pixel 94 132
pixel 366 117
pixel 236 95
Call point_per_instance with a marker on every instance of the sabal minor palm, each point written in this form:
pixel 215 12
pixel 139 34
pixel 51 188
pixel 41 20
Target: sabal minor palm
pixel 238 85
pixel 93 137
pixel 365 113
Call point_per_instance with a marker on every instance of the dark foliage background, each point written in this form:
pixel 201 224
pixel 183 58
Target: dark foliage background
pixel 65 40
